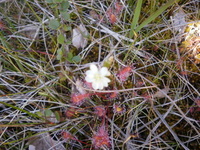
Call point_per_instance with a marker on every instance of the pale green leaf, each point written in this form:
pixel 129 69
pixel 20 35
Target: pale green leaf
pixel 69 55
pixel 66 16
pixel 67 27
pixel 76 59
pixel 61 38
pixel 59 54
pixel 48 112
pixel 54 24
pixel 64 6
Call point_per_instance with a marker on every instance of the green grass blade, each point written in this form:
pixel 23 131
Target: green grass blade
pixel 135 18
pixel 22 110
pixel 155 14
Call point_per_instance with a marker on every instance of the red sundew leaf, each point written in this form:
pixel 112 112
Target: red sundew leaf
pixel 67 136
pixel 113 95
pixel 119 109
pixel 118 8
pixel 101 138
pixel 71 112
pixel 124 73
pixel 79 99
pixel 100 111
pixel 113 18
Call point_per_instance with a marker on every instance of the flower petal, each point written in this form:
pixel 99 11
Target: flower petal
pixel 89 73
pixel 95 85
pixel 100 85
pixel 89 79
pixel 104 71
pixel 105 81
pixel 93 68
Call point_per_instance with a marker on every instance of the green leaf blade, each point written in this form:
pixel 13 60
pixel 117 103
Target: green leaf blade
pixel 135 18
pixel 156 14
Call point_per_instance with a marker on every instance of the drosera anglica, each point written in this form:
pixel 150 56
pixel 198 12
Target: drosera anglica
pixel 119 109
pixel 124 73
pixel 78 99
pixel 113 95
pixel 101 138
pixel 71 112
pixel 111 16
pixel 67 136
pixel 87 85
pixel 118 7
pixel 100 111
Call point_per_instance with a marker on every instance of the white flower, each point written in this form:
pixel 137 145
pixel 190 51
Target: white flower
pixel 97 77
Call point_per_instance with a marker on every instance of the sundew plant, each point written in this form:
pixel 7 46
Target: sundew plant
pixel 99 74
